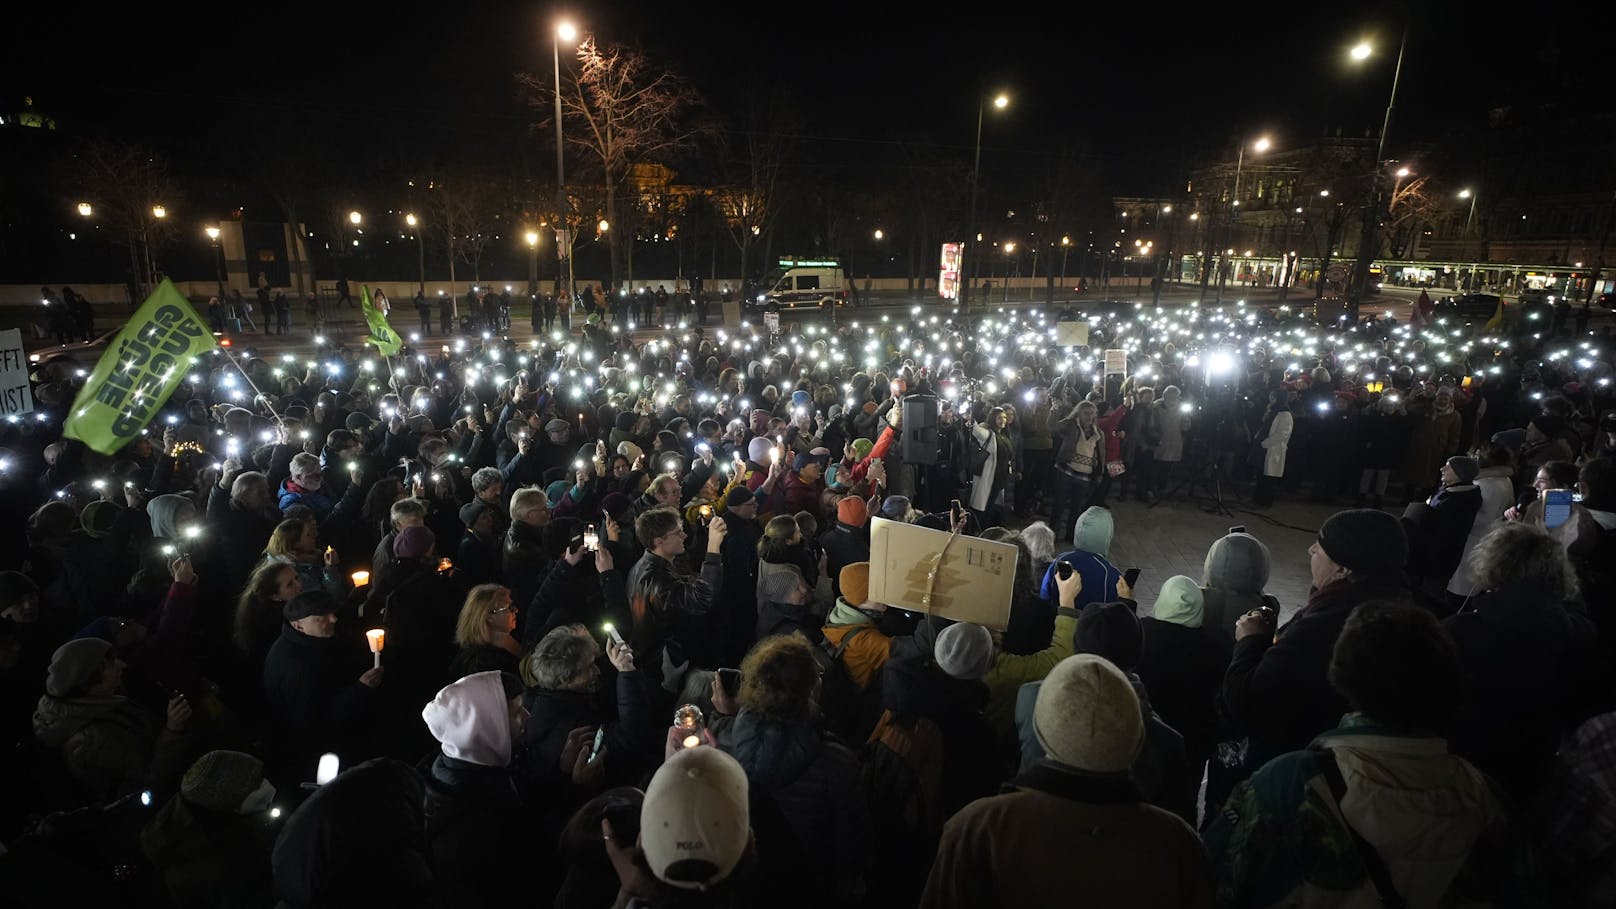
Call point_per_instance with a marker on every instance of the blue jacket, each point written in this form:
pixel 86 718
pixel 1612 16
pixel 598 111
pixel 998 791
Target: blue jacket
pixel 319 501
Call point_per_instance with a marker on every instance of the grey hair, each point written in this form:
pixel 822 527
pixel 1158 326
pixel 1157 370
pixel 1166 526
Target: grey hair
pixel 244 483
pixel 1040 540
pixel 561 656
pixel 527 500
pixel 1517 553
pixel 303 463
pixel 485 478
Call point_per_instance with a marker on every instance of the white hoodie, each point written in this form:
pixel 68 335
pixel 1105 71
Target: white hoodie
pixel 472 719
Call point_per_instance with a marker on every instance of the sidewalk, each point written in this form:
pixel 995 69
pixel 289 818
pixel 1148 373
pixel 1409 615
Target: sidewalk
pixel 1173 538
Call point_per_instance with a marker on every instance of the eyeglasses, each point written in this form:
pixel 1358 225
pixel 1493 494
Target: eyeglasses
pixel 501 610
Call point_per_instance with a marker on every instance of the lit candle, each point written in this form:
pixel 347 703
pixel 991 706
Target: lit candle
pixel 374 637
pixel 360 578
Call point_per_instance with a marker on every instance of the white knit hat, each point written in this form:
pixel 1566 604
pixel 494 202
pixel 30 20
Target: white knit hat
pixel 1087 716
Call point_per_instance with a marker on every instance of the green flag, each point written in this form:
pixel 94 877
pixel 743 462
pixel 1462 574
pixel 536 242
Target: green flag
pixel 141 368
pixel 382 335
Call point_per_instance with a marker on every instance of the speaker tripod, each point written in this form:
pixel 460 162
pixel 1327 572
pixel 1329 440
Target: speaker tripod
pixel 1211 470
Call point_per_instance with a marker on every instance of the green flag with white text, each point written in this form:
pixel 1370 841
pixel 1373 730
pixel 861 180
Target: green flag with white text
pixel 382 335
pixel 138 372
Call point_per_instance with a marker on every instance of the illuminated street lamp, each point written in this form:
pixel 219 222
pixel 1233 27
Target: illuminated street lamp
pixel 355 218
pixel 879 234
pixel 86 209
pixel 1000 102
pixel 604 225
pixel 532 238
pixel 218 261
pixel 1470 218
pixel 565 33
pixel 420 249
pixel 159 212
pixel 1366 240
pixel 1066 247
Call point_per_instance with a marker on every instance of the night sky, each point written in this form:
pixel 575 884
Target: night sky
pixel 1138 87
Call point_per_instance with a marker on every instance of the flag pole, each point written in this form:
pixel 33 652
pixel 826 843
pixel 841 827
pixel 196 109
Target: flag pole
pixel 230 355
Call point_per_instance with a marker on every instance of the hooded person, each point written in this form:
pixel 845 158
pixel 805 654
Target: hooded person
pixel 1276 691
pixel 472 806
pixel 111 744
pixel 1091 546
pixel 1015 849
pixel 167 513
pixel 1232 582
pixel 211 842
pixel 1181 664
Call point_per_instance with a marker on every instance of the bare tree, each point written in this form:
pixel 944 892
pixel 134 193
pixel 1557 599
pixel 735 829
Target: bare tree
pixel 750 162
pixel 620 109
pixel 126 185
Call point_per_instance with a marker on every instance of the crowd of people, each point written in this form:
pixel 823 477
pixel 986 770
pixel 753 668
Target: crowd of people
pixel 587 619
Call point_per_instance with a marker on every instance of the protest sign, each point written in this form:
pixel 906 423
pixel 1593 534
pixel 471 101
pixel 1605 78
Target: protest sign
pixel 975 581
pixel 142 367
pixel 15 395
pixel 1116 362
pixel 1072 333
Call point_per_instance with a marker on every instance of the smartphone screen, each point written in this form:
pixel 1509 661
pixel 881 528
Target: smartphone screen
pixel 600 737
pixel 1556 507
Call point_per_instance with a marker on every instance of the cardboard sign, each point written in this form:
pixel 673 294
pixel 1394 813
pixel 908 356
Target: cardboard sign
pixel 975 582
pixel 15 396
pixel 771 322
pixel 1116 362
pixel 1072 334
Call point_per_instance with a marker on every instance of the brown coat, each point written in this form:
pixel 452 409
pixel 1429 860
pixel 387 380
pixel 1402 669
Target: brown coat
pixel 1063 840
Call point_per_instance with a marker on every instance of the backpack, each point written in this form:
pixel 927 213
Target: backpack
pixel 976 454
pixel 902 774
pixel 841 700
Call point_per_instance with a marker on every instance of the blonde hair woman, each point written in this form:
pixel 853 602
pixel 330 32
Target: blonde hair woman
pixel 296 542
pixel 486 632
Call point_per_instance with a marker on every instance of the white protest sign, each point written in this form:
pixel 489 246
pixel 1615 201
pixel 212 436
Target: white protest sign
pixel 975 582
pixel 15 397
pixel 1116 362
pixel 1072 334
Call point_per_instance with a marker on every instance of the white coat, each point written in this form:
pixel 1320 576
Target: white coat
pixel 982 484
pixel 1277 440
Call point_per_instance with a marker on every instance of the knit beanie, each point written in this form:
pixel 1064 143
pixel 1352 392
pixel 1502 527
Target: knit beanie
pixel 964 650
pixel 1364 539
pixel 807 458
pixel 630 450
pixel 1110 630
pixel 1465 467
pixel 75 665
pixel 222 780
pixel 413 542
pixel 855 583
pixel 1087 716
pixel 98 518
pixel 757 451
pixel 556 491
pixel 862 448
pixel 614 504
pixel 895 508
pixel 778 583
pixel 471 511
pixel 852 511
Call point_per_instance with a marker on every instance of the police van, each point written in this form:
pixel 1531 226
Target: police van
pixel 803 282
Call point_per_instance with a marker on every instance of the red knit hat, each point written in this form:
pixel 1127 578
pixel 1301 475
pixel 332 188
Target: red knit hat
pixel 852 511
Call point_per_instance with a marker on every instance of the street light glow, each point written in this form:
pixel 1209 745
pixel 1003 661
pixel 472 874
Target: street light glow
pixel 1361 50
pixel 604 225
pixel 567 32
pixel 1261 144
pixel 532 238
pixel 1002 101
pixel 354 217
pixel 86 209
pixel 879 233
pixel 409 219
pixel 1464 193
pixel 1403 172
pixel 213 233
pixel 159 212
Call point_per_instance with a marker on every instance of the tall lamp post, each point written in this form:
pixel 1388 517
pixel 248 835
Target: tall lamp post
pixel 1470 219
pixel 1000 102
pixel 1371 216
pixel 1261 145
pixel 420 249
pixel 532 238
pixel 564 32
pixel 218 261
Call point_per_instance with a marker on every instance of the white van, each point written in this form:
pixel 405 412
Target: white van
pixel 803 282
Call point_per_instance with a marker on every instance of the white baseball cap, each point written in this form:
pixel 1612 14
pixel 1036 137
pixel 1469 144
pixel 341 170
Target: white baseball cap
pixel 695 824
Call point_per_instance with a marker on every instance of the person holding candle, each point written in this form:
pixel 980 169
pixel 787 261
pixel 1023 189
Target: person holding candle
pixel 319 687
